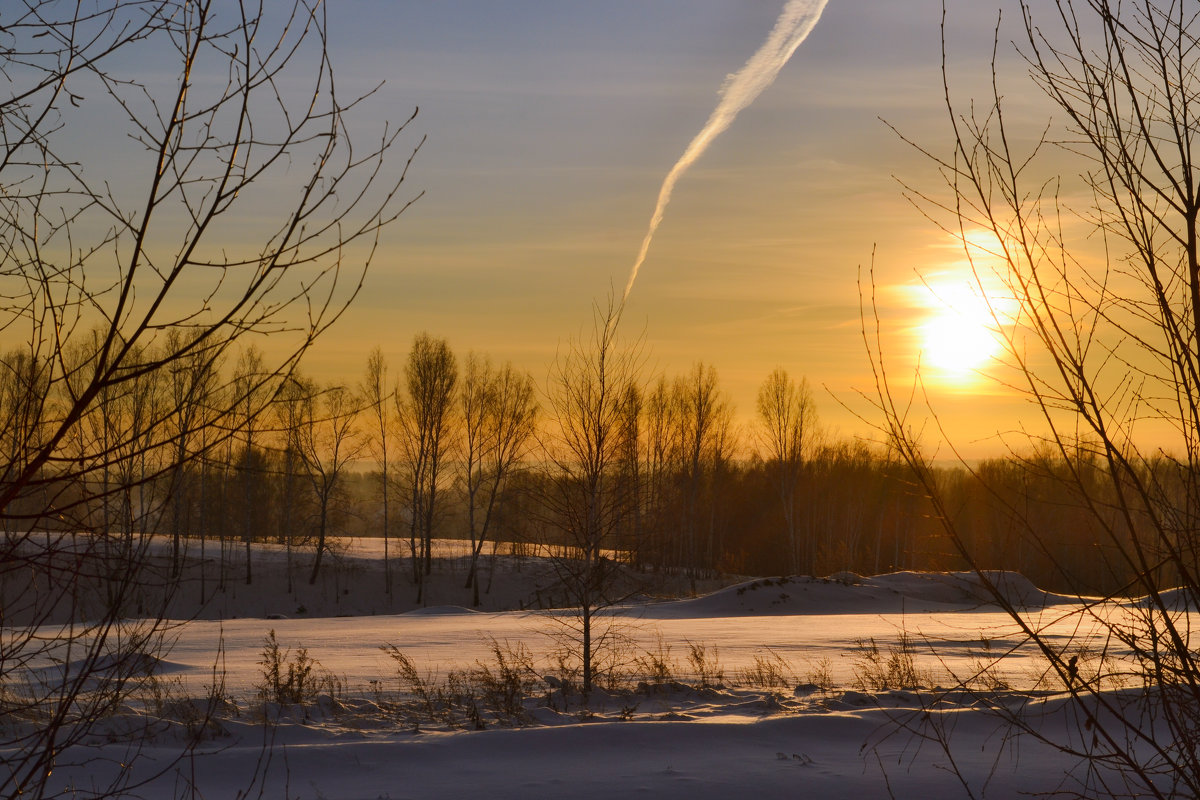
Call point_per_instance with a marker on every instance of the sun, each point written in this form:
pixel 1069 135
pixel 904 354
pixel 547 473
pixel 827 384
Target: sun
pixel 960 336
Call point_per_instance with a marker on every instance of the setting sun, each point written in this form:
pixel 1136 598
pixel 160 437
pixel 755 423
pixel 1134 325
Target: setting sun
pixel 960 336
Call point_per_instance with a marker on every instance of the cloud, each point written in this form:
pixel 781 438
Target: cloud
pixel 740 89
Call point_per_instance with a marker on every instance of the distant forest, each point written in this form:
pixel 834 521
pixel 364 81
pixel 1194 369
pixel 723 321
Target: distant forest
pixel 458 447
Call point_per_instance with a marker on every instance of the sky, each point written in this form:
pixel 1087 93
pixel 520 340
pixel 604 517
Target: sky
pixel 548 130
pixel 550 127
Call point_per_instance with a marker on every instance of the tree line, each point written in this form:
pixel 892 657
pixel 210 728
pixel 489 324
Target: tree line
pixel 606 461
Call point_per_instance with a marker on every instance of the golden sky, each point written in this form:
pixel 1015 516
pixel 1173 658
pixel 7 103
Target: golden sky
pixel 551 127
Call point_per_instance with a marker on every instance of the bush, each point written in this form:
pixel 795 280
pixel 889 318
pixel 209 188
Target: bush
pixel 770 671
pixel 656 666
pixel 875 670
pixel 288 679
pixel 505 688
pixel 706 665
pixel 495 692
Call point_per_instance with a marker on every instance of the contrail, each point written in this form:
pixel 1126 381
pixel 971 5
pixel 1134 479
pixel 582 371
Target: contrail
pixel 740 90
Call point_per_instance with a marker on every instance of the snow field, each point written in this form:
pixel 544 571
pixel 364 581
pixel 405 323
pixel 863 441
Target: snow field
pixel 866 664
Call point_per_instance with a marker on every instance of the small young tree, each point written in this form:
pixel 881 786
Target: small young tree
pixel 583 500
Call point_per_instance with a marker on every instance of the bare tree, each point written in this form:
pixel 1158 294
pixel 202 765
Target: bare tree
pixel 378 397
pixel 787 417
pixel 498 410
pixel 705 418
pixel 251 384
pixel 327 441
pixel 584 501
pixel 1105 272
pixel 153 213
pixel 23 398
pixel 631 472
pixel 290 407
pixel 664 454
pixel 191 381
pixel 425 414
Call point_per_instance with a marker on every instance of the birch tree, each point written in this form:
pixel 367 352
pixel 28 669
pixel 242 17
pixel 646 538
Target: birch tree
pixel 425 412
pixel 498 410
pixel 787 430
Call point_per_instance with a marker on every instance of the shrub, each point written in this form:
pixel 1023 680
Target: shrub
pixel 895 669
pixel 505 687
pixel 706 665
pixel 495 691
pixel 289 679
pixel 770 671
pixel 656 666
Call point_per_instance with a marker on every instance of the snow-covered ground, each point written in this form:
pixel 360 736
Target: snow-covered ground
pixel 782 687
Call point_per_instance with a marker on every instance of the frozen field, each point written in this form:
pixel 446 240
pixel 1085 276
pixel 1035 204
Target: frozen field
pixel 827 631
pixel 767 688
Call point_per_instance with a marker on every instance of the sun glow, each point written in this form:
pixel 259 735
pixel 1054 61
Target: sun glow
pixel 962 335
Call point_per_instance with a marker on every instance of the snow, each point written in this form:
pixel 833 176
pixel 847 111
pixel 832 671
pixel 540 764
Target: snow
pixel 817 755
pixel 824 733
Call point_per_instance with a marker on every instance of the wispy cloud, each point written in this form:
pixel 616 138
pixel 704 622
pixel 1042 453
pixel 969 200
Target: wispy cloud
pixel 796 21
